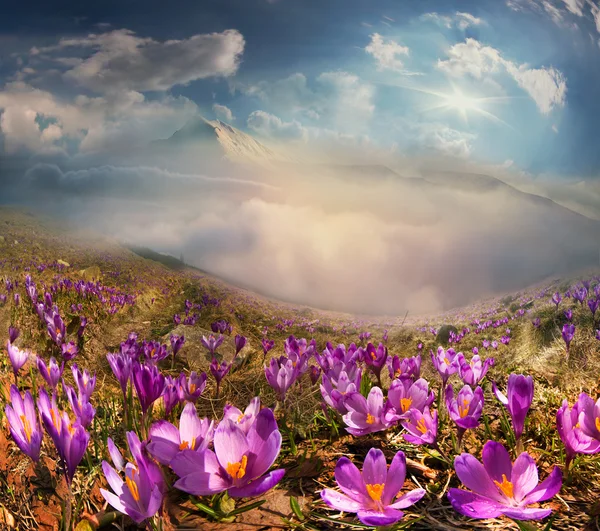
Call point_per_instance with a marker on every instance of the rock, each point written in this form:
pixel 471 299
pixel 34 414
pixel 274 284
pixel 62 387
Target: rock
pixel 63 263
pixel 91 273
pixel 443 335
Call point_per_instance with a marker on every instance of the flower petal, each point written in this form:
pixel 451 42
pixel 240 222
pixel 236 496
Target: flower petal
pixel 474 476
pixel 547 488
pixel 524 476
pixel 374 468
pixel 408 499
pixel 395 479
pixel 339 501
pixel 230 443
pixel 496 461
pixel 526 514
pixel 350 481
pixel 375 518
pixel 474 505
pixel 258 486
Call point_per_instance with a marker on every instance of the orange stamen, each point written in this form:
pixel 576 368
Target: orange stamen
pixel 421 425
pixel 405 404
pixel 370 419
pixel 464 409
pixel 506 487
pixel 26 427
pixel 375 491
pixel 237 470
pixel 133 488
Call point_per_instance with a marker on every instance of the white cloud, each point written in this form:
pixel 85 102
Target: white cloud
pixel 459 20
pixel 121 60
pixel 339 99
pixel 223 112
pixel 470 57
pixel 273 127
pixel 445 139
pixel 547 86
pixel 595 9
pixel 386 53
pixel 115 121
pixel 575 6
pixel 555 14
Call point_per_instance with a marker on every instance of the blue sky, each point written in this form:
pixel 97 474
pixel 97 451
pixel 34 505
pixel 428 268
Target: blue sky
pixel 513 83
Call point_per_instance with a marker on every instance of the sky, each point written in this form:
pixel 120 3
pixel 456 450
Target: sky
pixel 511 83
pixel 436 99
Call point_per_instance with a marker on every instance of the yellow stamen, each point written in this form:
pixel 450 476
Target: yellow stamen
pixel 192 389
pixel 133 488
pixel 598 423
pixel 373 356
pixel 446 361
pixel 464 409
pixel 240 418
pixel 375 491
pixel 370 418
pixel 26 427
pixel 237 470
pixel 55 420
pixel 506 487
pixel 398 373
pixel 405 404
pixel 421 425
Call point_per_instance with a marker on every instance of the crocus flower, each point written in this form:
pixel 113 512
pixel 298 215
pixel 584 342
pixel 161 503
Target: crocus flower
pixel 444 363
pixel 192 387
pixel 239 463
pixel 17 357
pixel 465 410
pixel 267 344
pixel 82 324
pixel 176 343
pixel 404 395
pixel 500 487
pixel 72 446
pixel 372 493
pixel 56 328
pixel 52 372
pixel 376 358
pixel 518 400
pixel 85 383
pixel 593 305
pixel 240 343
pixel 314 372
pixel 281 374
pixel 69 350
pixel 537 322
pixel 568 333
pixel 598 335
pixel 219 370
pixel 589 417
pixel 570 432
pixel 471 373
pixel 80 405
pixel 334 395
pixel 121 368
pixel 13 334
pixel 405 367
pixel 421 427
pixel 50 414
pixel 149 384
pixel 365 415
pixel 211 343
pixel 166 441
pixel 172 394
pixel 569 314
pixel 556 298
pixel 23 423
pixel 246 419
pixel 138 496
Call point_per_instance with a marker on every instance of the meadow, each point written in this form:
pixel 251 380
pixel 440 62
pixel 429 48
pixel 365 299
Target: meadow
pixel 141 393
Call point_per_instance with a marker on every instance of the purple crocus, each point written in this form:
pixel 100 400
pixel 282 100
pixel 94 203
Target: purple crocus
pixel 334 395
pixel 518 400
pixel 139 497
pixel 17 358
pixel 537 322
pixel 85 383
pixel 149 384
pixel 570 432
pixel 72 446
pixel 569 314
pixel 240 343
pixel 365 415
pixel 471 373
pixel 281 374
pixel 405 367
pixel 192 387
pixel 500 487
pixel 556 298
pixel 375 358
pixel 465 409
pixel 568 333
pixel 598 335
pixel 404 395
pixel 444 363
pixel 589 417
pixel 172 394
pixel 121 368
pixel 267 344
pixel 69 350
pixel 83 322
pixel 23 423
pixel 593 305
pixel 314 372
pixel 373 493
pixel 52 372
pixel 212 343
pixel 246 419
pixel 166 441
pixel 13 333
pixel 421 427
pixel 176 343
pixel 82 409
pixel 239 463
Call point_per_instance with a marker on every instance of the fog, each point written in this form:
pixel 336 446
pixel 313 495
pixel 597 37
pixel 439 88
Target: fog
pixel 363 239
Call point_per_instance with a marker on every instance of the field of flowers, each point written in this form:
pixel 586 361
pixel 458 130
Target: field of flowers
pixel 139 396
